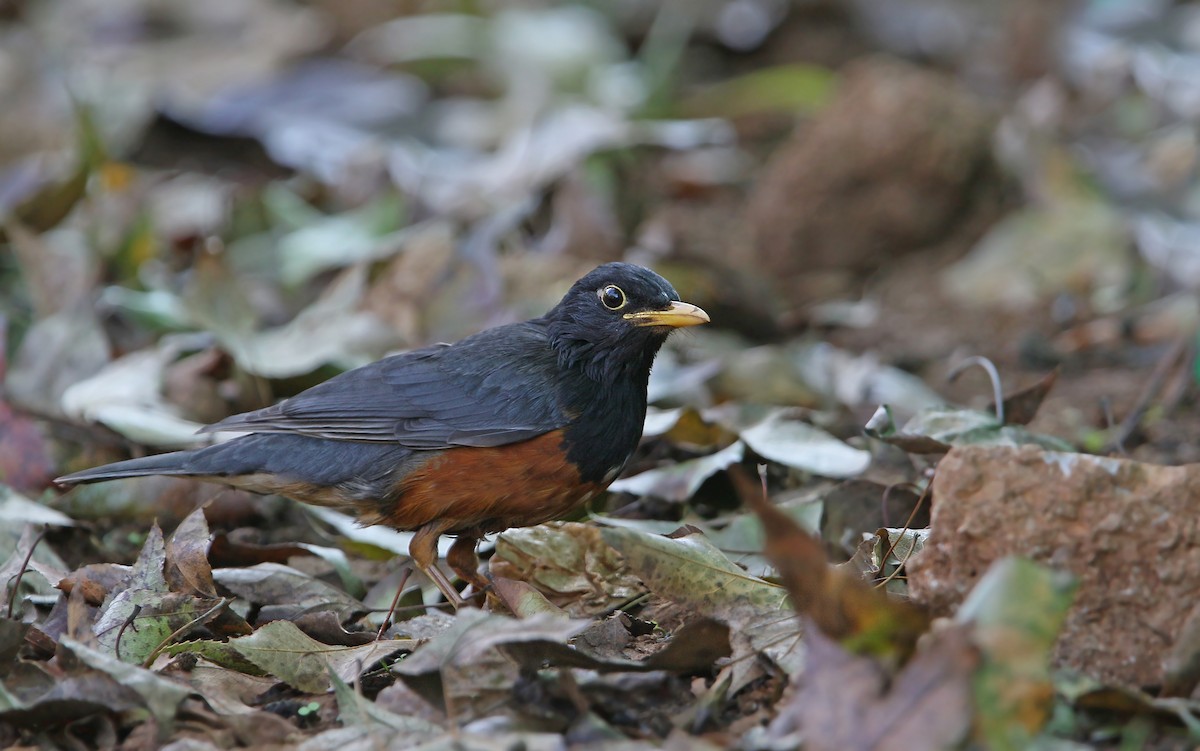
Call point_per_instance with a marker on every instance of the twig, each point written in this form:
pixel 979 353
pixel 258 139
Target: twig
pixel 395 601
pixel 16 585
pixel 907 526
pixel 1153 384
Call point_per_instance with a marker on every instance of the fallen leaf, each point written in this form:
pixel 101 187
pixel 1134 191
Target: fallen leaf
pixel 690 570
pixel 569 562
pixel 863 619
pixel 330 331
pixel 679 481
pixel 187 569
pixel 228 690
pixel 59 267
pixel 523 601
pixel 70 698
pixel 463 671
pixel 935 431
pixel 1020 407
pixel 1016 612
pixel 285 652
pixel 849 702
pixel 1078 242
pixel 17 510
pixel 354 710
pixel 145 586
pixel 126 396
pixel 161 696
pixel 799 445
pixel 286 592
pixel 55 353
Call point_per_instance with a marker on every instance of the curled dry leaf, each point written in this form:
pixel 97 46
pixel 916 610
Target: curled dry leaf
pixel 285 591
pixel 187 568
pixel 569 562
pixel 843 606
pixel 936 431
pixel 691 571
pixel 1020 407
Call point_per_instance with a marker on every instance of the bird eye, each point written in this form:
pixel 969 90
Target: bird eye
pixel 613 297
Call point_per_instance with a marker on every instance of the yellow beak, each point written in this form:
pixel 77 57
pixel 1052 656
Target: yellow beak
pixel 678 315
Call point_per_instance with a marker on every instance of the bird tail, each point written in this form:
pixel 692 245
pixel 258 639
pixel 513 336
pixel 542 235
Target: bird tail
pixel 174 463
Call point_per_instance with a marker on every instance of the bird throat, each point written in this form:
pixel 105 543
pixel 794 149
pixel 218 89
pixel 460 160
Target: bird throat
pixel 607 419
pixel 605 395
pixel 602 438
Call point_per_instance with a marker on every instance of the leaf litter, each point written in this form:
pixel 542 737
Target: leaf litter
pixel 428 174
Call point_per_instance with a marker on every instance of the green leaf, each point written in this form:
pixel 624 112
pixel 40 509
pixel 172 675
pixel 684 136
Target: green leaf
pixel 936 430
pixel 286 652
pixel 222 653
pixel 121 629
pixel 1018 609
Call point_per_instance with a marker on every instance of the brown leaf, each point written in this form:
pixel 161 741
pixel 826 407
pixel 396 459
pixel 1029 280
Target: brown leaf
pixel 285 592
pixel 847 702
pixel 694 646
pixel 12 638
pixel 1021 406
pixel 187 568
pixel 96 580
pixel 523 600
pixel 843 606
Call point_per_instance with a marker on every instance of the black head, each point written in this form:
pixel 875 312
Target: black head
pixel 613 321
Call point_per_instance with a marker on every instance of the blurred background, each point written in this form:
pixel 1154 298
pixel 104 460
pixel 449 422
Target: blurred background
pixel 208 206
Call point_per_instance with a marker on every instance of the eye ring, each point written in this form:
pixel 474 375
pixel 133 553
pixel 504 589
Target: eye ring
pixel 612 297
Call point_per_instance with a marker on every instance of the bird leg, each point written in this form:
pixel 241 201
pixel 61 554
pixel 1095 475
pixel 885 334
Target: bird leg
pixel 423 551
pixel 465 563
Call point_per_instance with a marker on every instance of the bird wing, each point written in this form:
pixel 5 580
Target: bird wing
pixel 490 389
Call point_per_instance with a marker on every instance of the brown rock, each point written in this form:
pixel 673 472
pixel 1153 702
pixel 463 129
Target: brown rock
pixel 900 160
pixel 1130 532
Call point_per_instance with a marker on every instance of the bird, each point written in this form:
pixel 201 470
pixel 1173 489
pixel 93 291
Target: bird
pixel 512 426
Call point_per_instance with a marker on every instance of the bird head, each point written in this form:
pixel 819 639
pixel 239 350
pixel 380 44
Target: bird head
pixel 613 321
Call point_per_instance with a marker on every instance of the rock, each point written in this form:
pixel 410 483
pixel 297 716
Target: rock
pixel 900 160
pixel 1128 530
